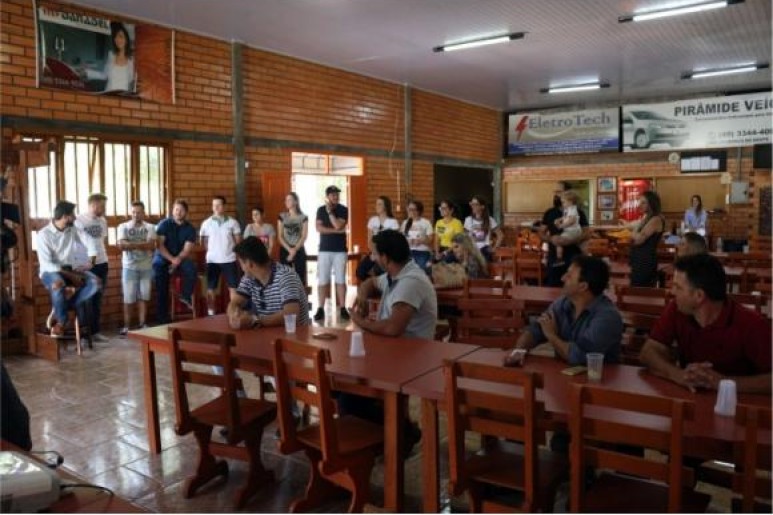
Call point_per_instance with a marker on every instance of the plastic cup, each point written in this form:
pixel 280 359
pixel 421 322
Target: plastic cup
pixel 595 365
pixel 726 398
pixel 235 323
pixel 290 323
pixel 356 345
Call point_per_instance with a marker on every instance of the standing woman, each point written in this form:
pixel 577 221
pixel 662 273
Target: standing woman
pixel 382 220
pixel 644 241
pixel 418 231
pixel 446 228
pixel 292 229
pixel 695 217
pixel 482 228
pixel 261 230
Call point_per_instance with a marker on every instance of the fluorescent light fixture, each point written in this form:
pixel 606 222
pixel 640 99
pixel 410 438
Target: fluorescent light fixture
pixel 575 87
pixel 676 11
pixel 718 72
pixel 479 42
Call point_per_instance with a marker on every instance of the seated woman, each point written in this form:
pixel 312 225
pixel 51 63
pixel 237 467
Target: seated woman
pixel 696 218
pixel 469 256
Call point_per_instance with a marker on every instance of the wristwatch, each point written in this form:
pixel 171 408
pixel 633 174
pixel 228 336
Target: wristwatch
pixel 255 322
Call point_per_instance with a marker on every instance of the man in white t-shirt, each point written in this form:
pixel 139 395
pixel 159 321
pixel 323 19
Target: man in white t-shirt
pixel 137 240
pixel 219 235
pixel 92 229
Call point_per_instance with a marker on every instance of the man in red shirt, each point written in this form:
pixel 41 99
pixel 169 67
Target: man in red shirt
pixel 716 338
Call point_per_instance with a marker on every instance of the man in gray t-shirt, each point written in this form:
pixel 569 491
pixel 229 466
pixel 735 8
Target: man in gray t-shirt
pixel 137 240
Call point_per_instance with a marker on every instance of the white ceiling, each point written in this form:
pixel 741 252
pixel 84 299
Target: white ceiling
pixel 567 41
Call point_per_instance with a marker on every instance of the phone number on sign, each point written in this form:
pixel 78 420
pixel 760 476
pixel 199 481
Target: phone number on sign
pixel 754 132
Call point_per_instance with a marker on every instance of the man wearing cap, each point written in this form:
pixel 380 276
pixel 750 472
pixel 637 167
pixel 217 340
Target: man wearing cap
pixel 92 229
pixel 332 218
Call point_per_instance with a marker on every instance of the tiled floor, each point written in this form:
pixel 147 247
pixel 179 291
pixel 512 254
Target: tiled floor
pixel 91 410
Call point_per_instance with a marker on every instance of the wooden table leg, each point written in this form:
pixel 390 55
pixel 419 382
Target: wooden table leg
pixel 394 417
pixel 151 398
pixel 430 465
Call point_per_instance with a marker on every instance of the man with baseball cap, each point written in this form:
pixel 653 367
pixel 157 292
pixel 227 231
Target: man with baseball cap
pixel 332 218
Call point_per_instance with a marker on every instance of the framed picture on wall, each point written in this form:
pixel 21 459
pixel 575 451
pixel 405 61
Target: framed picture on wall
pixel 607 184
pixel 607 216
pixel 607 201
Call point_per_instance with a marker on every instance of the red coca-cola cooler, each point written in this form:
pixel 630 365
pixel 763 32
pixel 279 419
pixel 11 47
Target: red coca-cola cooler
pixel 628 194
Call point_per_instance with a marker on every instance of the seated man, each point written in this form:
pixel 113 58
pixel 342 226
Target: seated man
pixel 408 308
pixel 691 243
pixel 408 300
pixel 583 320
pixel 716 338
pixel 62 272
pixel 267 291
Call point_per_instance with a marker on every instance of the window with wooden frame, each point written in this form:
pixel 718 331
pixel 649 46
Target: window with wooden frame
pixel 78 166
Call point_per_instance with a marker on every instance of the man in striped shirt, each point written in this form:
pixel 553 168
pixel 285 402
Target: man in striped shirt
pixel 268 290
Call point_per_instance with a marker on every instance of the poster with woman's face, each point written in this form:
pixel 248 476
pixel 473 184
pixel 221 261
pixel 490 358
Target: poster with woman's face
pixel 94 54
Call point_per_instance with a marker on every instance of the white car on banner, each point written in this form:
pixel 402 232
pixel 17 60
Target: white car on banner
pixel 643 128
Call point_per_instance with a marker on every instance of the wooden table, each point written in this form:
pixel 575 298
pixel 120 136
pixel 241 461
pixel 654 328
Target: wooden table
pixel 708 436
pixel 80 500
pixel 388 364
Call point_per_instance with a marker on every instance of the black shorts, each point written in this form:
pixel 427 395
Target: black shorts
pixel 230 274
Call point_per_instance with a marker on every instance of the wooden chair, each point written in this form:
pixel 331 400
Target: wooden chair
pixel 243 418
pixel 341 449
pixel 528 268
pixel 529 470
pixel 760 244
pixel 754 302
pixel 637 299
pixel 754 456
pixel 636 331
pixel 502 265
pixel 603 419
pixel 486 288
pixel 490 322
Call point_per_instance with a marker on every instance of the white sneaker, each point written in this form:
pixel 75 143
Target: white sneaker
pixel 99 337
pixel 123 331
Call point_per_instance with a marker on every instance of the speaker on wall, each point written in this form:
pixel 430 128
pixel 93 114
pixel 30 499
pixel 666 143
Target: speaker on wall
pixel 762 156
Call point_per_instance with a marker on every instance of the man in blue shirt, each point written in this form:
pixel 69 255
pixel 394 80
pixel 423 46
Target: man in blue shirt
pixel 176 239
pixel 582 320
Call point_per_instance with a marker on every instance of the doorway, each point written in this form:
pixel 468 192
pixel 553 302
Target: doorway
pixel 458 184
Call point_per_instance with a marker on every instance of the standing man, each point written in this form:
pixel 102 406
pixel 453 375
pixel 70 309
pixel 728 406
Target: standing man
pixel 715 337
pixel 61 272
pixel 547 229
pixel 137 240
pixel 219 235
pixel 92 229
pixel 176 238
pixel 332 218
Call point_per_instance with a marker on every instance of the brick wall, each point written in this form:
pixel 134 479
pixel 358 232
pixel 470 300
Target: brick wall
pixel 289 105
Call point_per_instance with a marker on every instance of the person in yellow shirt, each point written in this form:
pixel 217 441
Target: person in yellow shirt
pixel 446 228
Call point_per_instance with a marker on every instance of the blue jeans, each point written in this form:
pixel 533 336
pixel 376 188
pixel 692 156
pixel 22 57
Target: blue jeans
pixel 59 302
pixel 422 258
pixel 161 275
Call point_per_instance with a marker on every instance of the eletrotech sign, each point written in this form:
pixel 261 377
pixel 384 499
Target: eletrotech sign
pixel 716 122
pixel 563 132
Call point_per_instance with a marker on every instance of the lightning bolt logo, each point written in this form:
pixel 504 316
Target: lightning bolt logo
pixel 521 127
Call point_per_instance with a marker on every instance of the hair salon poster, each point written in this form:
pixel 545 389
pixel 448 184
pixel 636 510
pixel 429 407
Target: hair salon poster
pixel 99 55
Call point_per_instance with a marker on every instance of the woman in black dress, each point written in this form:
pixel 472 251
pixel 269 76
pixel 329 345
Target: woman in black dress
pixel 644 241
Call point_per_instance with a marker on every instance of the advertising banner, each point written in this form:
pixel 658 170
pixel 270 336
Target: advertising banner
pixel 564 132
pixel 95 54
pixel 731 121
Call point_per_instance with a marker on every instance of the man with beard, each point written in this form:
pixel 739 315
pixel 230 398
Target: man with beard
pixel 62 274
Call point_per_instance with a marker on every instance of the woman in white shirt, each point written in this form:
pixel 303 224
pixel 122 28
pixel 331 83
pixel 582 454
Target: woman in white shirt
pixel 381 221
pixel 418 231
pixel 482 228
pixel 119 67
